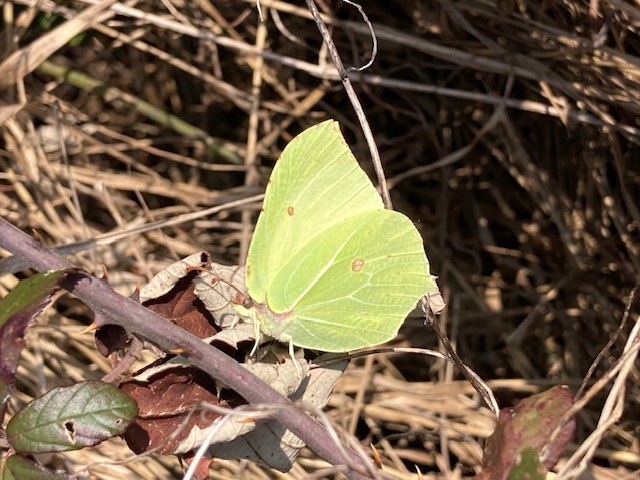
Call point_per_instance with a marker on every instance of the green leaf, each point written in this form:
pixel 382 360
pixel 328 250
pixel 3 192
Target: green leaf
pixel 29 292
pixel 69 418
pixel 17 310
pixel 17 467
pixel 47 21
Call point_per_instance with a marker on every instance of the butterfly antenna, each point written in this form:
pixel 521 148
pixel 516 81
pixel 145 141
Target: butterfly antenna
pixel 217 278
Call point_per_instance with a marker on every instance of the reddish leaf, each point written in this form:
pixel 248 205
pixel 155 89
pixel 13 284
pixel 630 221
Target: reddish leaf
pixel 528 425
pixel 111 339
pixel 170 405
pixel 179 305
pixel 17 311
pixel 182 307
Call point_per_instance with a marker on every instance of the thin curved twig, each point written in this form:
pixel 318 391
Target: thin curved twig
pixel 357 106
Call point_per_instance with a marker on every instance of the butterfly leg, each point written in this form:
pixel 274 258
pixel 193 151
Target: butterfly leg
pixel 295 361
pixel 256 330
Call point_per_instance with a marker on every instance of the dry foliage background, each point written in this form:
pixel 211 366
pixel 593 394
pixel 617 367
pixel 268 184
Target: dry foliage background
pixel 508 131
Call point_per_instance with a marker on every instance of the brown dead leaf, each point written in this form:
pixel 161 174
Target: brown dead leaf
pixel 182 307
pixel 171 404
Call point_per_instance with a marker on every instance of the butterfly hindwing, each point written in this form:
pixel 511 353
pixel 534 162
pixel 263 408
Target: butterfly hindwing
pixel 353 285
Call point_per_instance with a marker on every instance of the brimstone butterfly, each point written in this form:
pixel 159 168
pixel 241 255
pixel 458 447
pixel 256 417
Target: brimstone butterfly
pixel 329 268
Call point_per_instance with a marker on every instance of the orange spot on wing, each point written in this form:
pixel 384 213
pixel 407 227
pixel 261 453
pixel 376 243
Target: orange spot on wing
pixel 357 265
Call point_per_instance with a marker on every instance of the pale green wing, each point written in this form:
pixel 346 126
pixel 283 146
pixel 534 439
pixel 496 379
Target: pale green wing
pixel 352 286
pixel 315 183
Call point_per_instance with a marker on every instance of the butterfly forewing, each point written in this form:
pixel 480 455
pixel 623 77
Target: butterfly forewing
pixel 315 183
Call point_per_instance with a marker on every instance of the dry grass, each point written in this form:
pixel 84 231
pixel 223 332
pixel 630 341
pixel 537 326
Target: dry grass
pixel 508 130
